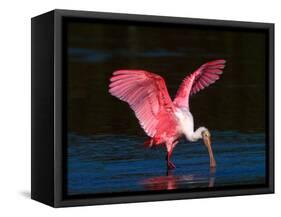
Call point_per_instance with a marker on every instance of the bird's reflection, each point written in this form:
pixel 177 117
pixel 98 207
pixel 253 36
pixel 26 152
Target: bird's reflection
pixel 212 177
pixel 171 181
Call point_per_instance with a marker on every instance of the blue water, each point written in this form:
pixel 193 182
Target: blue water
pixel 120 163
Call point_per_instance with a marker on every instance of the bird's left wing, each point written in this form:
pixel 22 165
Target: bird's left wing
pixel 204 76
pixel 147 95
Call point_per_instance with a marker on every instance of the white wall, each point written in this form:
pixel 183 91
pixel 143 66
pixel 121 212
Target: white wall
pixel 15 106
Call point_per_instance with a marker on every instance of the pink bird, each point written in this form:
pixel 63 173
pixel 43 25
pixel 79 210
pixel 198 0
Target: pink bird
pixel 163 120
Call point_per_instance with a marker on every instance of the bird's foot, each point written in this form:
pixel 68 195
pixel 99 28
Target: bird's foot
pixel 171 165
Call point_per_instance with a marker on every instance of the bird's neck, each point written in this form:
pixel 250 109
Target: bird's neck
pixel 186 124
pixel 197 134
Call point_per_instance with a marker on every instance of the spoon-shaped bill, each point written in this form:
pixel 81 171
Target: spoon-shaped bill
pixel 208 144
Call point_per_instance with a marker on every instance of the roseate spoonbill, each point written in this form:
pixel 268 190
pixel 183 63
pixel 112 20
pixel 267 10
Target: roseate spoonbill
pixel 162 119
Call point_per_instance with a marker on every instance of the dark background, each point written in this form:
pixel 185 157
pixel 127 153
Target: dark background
pixel 95 49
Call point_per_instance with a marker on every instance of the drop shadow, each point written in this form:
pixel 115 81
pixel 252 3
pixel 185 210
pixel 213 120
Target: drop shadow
pixel 25 194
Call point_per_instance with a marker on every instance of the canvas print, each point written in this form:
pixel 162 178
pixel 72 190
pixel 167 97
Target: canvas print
pixel 154 107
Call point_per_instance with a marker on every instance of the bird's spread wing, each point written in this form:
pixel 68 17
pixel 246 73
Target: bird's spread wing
pixel 147 95
pixel 204 76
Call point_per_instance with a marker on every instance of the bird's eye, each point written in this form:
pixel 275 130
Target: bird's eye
pixel 206 134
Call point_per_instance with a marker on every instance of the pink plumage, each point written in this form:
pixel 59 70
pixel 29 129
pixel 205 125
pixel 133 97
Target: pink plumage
pixel 206 75
pixel 147 95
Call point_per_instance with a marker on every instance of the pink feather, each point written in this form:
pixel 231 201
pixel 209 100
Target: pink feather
pixel 147 95
pixel 206 75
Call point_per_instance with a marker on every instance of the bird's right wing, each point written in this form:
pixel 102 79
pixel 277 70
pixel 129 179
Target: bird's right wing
pixel 204 76
pixel 147 95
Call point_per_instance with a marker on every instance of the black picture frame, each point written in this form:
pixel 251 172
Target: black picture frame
pixel 48 104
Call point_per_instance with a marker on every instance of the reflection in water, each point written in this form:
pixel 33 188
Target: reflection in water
pixel 212 177
pixel 171 182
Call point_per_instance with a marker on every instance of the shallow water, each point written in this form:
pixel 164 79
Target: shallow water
pixel 119 163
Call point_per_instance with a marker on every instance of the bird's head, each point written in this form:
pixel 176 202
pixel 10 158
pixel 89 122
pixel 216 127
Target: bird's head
pixel 206 136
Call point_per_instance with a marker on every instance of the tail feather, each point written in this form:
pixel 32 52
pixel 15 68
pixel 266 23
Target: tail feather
pixel 148 143
pixel 151 142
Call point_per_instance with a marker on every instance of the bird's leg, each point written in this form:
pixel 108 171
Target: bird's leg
pixel 170 164
pixel 170 147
